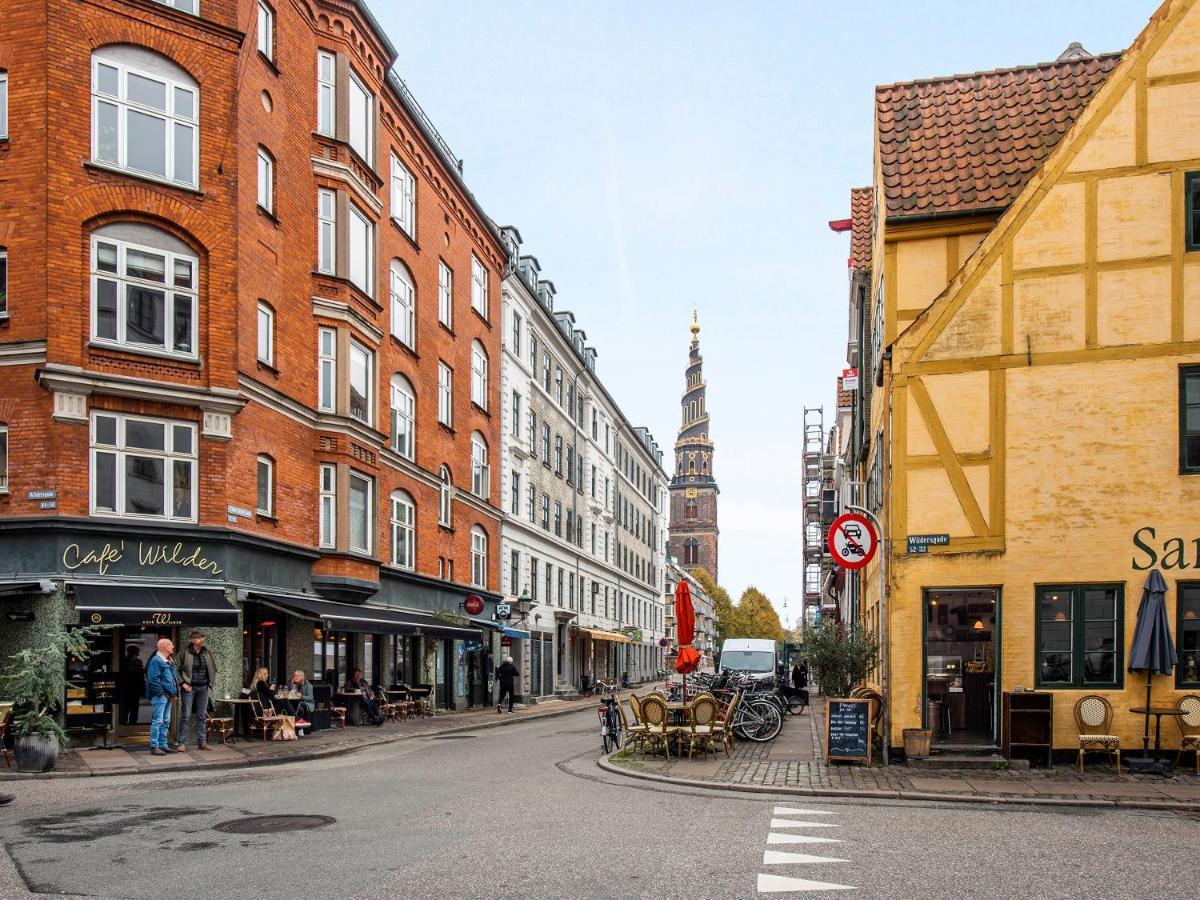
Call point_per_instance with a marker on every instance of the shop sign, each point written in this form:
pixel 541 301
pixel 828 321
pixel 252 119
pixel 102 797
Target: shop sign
pixel 852 541
pixel 473 604
pixel 634 634
pixel 849 379
pixel 503 611
pixel 506 641
pixel 101 559
pixel 920 543
pixel 1170 553
pixel 472 646
pixel 154 619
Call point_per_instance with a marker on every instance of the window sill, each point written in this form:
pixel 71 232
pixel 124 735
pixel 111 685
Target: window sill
pixel 446 428
pixel 482 318
pixel 405 347
pixel 446 328
pixel 268 62
pixel 482 410
pixel 265 366
pixel 449 529
pixel 260 516
pixel 263 211
pixel 162 182
pixel 408 237
pixel 165 356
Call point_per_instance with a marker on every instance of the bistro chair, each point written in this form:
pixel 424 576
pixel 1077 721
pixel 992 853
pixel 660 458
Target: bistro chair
pixel 263 721
pixel 220 726
pixel 701 716
pixel 1093 717
pixel 635 704
pixel 658 732
pixel 866 693
pixel 635 732
pixel 386 707
pixel 724 722
pixel 1189 726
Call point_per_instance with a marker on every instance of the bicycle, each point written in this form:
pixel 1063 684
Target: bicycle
pixel 612 728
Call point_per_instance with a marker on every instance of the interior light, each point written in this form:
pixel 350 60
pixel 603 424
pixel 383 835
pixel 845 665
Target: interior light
pixel 1060 617
pixel 978 626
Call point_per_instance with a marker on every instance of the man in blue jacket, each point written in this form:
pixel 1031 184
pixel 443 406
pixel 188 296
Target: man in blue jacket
pixel 161 689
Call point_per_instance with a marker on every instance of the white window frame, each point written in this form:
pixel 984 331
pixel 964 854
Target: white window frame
pixel 404 304
pixel 3 458
pixel 327 93
pixel 478 557
pixel 479 375
pixel 445 498
pixel 327 387
pixel 266 30
pixel 368 356
pixel 327 231
pixel 445 395
pixel 183 5
pixel 367 150
pixel 517 324
pixel 404 531
pixel 480 470
pixel 266 180
pixel 404 197
pixel 445 294
pixel 357 477
pixel 266 334
pixel 327 516
pixel 121 452
pixel 479 286
pixel 361 243
pixel 3 105
pixel 265 465
pixel 173 122
pixel 125 282
pixel 516 416
pixel 403 406
pixel 3 283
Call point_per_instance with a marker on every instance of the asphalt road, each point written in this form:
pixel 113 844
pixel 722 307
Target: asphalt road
pixel 523 812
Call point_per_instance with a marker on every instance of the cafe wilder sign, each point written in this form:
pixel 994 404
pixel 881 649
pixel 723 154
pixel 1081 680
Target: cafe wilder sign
pixel 145 555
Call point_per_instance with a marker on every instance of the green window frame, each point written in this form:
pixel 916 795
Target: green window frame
pixel 1192 199
pixel 1189 419
pixel 1080 636
pixel 1187 634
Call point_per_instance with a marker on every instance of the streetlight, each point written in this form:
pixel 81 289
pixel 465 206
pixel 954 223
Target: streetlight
pixel 524 604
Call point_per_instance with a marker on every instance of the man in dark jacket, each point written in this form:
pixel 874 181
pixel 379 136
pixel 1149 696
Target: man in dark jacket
pixel 197 672
pixel 506 674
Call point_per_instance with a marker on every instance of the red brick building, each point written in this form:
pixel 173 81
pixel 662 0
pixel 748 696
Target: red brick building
pixel 249 309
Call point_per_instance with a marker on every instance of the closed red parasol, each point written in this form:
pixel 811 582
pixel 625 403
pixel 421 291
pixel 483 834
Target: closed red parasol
pixel 688 659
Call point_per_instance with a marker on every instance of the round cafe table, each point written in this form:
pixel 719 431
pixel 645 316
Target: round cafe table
pixel 239 708
pixel 1158 712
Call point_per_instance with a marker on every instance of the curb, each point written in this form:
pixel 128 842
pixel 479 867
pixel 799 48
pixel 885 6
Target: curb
pixel 279 761
pixel 605 763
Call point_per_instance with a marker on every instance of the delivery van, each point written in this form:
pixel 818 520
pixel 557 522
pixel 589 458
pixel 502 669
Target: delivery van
pixel 758 656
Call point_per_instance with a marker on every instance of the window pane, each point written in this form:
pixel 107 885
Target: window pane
pixel 106 133
pixel 107 80
pixel 106 309
pixel 183 323
pixel 1099 636
pixel 360 382
pixel 185 103
pixel 182 490
pixel 145 435
pixel 181 436
pixel 106 257
pixel 359 513
pixel 1191 451
pixel 146 91
pixel 144 483
pixel 360 251
pixel 264 486
pixel 146 149
pixel 146 266
pixel 106 480
pixel 185 169
pixel 106 430
pixel 144 316
pixel 1099 668
pixel 1099 604
pixel 183 273
pixel 1056 606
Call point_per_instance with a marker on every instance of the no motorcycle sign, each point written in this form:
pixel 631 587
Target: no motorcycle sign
pixel 852 541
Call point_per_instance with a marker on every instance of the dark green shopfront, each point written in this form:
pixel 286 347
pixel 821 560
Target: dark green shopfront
pixel 257 602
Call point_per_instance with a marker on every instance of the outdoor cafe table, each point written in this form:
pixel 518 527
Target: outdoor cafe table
pixel 240 710
pixel 422 694
pixel 1158 712
pixel 352 700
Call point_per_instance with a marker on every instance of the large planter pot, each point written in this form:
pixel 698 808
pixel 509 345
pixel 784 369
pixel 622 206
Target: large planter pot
pixel 35 752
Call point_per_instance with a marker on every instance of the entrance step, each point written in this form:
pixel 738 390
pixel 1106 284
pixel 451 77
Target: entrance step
pixel 969 761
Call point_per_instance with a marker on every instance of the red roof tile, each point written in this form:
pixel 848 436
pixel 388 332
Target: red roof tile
pixel 969 143
pixel 862 214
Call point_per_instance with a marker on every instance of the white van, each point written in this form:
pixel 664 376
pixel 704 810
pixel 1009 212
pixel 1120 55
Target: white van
pixel 758 656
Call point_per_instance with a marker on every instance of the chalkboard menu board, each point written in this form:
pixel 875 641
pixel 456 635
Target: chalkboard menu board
pixel 848 730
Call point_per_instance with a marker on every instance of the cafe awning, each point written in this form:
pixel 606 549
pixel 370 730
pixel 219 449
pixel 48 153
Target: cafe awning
pixel 598 634
pixel 487 623
pixel 516 633
pixel 21 588
pixel 371 619
pixel 153 605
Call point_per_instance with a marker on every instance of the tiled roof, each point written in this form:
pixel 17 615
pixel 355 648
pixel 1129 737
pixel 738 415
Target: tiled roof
pixel 845 398
pixel 861 215
pixel 969 143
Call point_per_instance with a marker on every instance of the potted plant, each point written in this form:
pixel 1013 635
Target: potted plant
pixel 36 682
pixel 842 657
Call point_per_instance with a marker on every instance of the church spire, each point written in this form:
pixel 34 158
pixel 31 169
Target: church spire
pixel 693 449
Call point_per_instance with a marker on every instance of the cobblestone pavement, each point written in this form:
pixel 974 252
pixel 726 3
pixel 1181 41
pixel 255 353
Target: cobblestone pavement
pixel 795 760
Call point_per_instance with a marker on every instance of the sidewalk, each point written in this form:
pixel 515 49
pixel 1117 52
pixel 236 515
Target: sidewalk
pixel 88 762
pixel 793 764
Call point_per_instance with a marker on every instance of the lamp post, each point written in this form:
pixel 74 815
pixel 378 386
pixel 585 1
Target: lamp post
pixel 524 604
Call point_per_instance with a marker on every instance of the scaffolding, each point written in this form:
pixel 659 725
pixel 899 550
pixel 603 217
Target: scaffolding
pixel 820 509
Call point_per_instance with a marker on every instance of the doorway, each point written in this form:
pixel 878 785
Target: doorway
pixel 961 637
pixel 137 643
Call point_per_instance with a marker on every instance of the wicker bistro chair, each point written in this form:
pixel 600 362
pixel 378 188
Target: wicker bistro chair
pixel 866 693
pixel 1189 726
pixel 658 732
pixel 221 726
pixel 636 705
pixel 701 726
pixel 387 708
pixel 635 732
pixel 1093 717
pixel 267 722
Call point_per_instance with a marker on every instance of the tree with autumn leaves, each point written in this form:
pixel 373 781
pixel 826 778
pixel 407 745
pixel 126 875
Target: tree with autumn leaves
pixel 752 617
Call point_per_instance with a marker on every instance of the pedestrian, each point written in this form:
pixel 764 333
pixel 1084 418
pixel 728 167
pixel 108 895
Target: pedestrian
pixel 197 672
pixel 161 689
pixel 133 684
pixel 799 675
pixel 506 674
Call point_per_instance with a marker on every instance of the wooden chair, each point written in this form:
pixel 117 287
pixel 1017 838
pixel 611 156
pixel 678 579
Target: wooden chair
pixel 1189 727
pixel 220 726
pixel 701 727
pixel 262 720
pixel 658 731
pixel 1093 718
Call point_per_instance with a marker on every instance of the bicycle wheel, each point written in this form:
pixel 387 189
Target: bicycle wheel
pixel 761 721
pixel 796 704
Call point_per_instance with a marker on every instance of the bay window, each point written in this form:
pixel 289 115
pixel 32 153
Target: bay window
pixel 144 290
pixel 403 304
pixel 404 197
pixel 362 383
pixel 479 287
pixel 359 511
pixel 326 92
pixel 144 468
pixel 327 369
pixel 403 531
pixel 480 471
pixel 327 231
pixel 479 375
pixel 145 115
pixel 478 557
pixel 362 250
pixel 362 119
pixel 404 420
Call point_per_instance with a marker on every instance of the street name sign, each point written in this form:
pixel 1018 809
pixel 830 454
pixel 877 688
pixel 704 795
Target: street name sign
pixel 852 541
pixel 920 543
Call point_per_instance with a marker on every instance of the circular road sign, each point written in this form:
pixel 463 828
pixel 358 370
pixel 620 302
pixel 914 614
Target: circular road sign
pixel 852 541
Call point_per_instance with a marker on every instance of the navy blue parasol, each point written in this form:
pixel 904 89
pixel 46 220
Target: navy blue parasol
pixel 1152 650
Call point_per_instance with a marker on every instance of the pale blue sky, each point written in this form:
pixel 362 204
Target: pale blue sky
pixel 658 156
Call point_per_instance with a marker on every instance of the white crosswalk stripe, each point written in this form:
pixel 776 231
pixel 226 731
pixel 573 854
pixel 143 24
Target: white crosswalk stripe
pixel 784 819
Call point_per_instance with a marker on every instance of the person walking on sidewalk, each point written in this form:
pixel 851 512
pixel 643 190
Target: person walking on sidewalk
pixel 506 674
pixel 197 671
pixel 161 689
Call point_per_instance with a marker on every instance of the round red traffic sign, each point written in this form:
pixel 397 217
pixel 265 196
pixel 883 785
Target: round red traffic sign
pixel 852 541
pixel 473 604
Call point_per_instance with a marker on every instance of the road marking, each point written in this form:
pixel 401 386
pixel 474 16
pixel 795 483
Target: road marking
pixel 776 857
pixel 794 811
pixel 791 823
pixel 776 884
pixel 774 838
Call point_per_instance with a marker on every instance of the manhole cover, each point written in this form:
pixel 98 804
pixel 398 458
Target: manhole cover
pixel 453 737
pixel 273 824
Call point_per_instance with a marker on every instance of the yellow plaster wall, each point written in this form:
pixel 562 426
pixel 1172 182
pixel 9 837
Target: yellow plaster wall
pixel 920 272
pixel 1054 233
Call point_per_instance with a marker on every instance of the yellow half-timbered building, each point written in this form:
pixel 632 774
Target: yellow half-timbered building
pixel 1033 445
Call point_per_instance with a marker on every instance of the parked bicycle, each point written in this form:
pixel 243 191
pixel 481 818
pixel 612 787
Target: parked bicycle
pixel 612 727
pixel 600 686
pixel 760 710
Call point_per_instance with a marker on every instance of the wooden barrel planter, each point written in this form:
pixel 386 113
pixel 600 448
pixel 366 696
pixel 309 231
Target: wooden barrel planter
pixel 917 742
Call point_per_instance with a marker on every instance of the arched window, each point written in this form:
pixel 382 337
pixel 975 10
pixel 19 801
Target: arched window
pixel 404 531
pixel 480 471
pixel 689 510
pixel 479 375
pixel 403 304
pixel 144 290
pixel 444 492
pixel 404 417
pixel 145 115
pixel 692 464
pixel 478 557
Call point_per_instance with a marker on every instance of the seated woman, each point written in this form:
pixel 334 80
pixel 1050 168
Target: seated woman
pixel 356 683
pixel 262 690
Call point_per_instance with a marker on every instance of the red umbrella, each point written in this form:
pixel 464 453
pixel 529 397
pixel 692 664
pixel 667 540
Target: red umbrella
pixel 688 659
